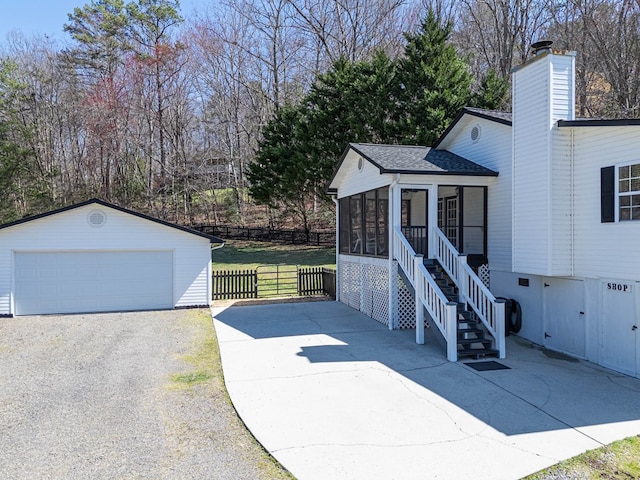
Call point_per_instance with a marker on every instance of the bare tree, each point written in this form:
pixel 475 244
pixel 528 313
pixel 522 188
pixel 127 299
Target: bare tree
pixel 499 33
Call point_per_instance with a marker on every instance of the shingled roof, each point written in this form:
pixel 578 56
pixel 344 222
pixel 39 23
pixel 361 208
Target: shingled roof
pixel 418 160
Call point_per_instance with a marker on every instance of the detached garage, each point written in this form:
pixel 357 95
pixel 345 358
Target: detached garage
pixel 98 257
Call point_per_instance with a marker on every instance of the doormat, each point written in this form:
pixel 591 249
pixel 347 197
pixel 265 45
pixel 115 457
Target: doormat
pixel 487 366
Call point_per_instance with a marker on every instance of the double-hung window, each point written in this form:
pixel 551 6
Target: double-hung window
pixel 629 192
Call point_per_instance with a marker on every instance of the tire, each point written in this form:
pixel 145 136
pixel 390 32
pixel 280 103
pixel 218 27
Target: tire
pixel 515 318
pixel 507 315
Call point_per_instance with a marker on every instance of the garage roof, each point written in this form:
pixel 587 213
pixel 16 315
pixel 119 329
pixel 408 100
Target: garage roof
pixel 97 201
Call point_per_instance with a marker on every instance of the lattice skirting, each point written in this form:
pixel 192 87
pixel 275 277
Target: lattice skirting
pixel 484 274
pixel 406 306
pixel 365 287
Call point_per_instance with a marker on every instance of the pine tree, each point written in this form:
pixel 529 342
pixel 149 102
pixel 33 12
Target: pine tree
pixel 435 83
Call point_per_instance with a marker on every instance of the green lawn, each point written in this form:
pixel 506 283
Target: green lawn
pixel 617 461
pixel 243 255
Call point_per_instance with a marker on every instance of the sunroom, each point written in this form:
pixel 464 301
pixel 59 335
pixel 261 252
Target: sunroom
pixel 412 237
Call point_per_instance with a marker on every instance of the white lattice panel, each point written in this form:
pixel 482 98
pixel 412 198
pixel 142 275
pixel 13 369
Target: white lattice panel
pixel 406 306
pixel 483 273
pixel 375 292
pixel 350 284
pixel 365 287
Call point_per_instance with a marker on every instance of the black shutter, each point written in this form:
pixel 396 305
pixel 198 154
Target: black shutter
pixel 607 195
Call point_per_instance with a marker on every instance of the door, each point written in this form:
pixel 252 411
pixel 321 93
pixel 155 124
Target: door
pixel 620 326
pixel 92 281
pixel 564 316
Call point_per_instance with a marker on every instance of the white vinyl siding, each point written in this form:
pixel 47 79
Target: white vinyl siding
pixel 561 205
pixel 70 231
pixel 542 95
pixel 603 249
pixel 531 169
pixel 493 150
pixel 562 93
pixel 351 181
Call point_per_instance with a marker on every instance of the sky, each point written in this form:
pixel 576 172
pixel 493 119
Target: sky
pixel 33 17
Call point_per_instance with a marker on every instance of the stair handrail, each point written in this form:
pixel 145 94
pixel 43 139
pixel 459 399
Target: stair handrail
pixel 446 254
pixel 443 312
pixel 427 292
pixel 404 254
pixel 472 290
pixel 488 309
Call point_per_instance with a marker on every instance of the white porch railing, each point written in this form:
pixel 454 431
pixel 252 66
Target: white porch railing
pixel 471 290
pixel 428 295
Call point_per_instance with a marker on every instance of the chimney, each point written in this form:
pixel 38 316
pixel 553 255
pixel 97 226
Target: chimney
pixel 541 46
pixel 543 93
pixel 544 86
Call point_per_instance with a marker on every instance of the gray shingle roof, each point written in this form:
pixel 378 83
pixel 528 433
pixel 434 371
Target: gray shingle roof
pixel 503 117
pixel 418 159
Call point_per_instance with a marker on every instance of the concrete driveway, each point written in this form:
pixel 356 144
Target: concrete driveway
pixel 92 397
pixel 333 394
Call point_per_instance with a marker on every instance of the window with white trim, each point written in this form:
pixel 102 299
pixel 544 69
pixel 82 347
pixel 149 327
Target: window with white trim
pixel 629 192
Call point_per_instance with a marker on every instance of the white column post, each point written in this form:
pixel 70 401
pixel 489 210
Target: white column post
pixel 419 288
pixel 337 204
pixel 394 219
pixel 432 220
pixel 499 313
pixel 462 280
pixel 452 332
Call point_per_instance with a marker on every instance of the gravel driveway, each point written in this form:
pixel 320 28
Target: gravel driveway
pixel 96 396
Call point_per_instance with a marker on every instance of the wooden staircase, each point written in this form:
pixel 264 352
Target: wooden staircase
pixel 472 339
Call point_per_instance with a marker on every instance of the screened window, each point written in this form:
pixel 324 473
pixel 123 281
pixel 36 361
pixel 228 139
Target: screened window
pixel 629 192
pixel 364 223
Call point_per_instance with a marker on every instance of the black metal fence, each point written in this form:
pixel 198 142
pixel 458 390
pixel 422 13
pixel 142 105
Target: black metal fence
pixel 294 237
pixel 273 281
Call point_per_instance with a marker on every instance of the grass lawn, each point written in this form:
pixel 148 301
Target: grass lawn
pixel 242 255
pixel 617 461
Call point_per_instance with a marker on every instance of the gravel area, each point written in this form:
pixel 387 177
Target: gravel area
pixel 92 396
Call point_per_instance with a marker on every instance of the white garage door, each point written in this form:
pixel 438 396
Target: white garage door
pixel 98 281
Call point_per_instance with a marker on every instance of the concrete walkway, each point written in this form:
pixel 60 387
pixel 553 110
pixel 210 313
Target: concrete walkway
pixel 333 394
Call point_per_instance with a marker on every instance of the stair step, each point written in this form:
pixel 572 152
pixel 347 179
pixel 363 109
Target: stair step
pixel 466 314
pixel 448 291
pixel 467 342
pixel 477 353
pixel 469 330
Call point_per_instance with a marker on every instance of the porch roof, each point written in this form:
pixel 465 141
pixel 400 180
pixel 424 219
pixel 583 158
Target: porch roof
pixel 415 159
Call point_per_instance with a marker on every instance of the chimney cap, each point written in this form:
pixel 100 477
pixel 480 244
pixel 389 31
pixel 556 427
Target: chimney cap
pixel 541 45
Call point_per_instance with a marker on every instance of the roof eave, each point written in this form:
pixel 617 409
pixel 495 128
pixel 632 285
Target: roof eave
pixel 98 201
pixel 329 190
pixel 489 173
pixel 618 122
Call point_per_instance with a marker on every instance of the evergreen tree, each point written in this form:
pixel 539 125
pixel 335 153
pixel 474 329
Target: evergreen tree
pixel 283 173
pixel 493 93
pixel 351 102
pixel 408 101
pixel 23 183
pixel 435 83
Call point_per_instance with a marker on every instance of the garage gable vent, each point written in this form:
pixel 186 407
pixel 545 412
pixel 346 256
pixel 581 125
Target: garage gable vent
pixel 476 131
pixel 97 218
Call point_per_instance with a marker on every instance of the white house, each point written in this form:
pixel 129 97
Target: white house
pixel 544 207
pixel 96 257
